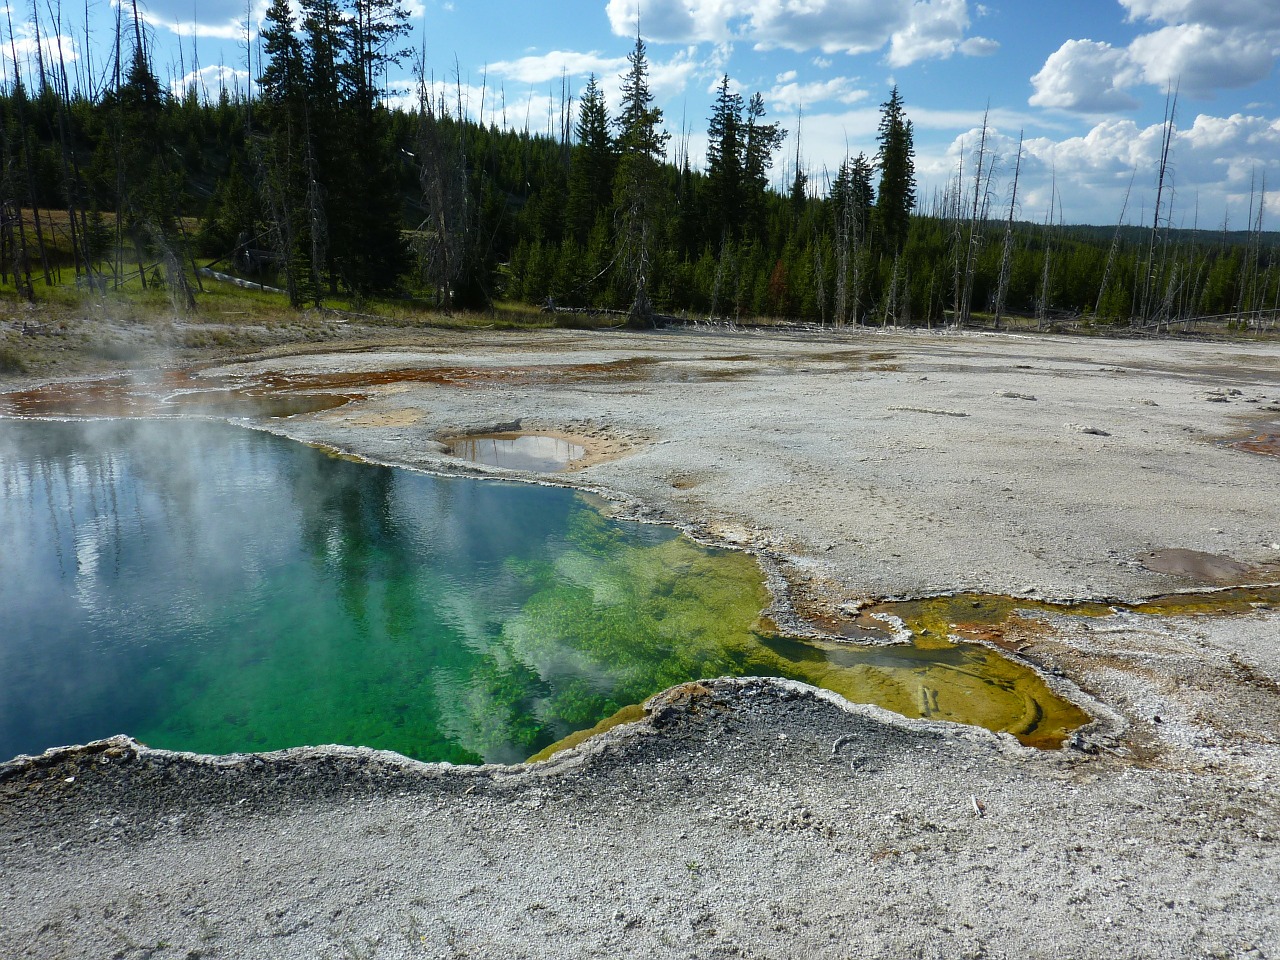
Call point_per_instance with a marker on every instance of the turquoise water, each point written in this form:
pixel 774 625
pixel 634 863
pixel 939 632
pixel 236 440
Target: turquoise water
pixel 206 587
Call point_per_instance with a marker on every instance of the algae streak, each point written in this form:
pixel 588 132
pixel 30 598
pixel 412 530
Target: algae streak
pixel 618 623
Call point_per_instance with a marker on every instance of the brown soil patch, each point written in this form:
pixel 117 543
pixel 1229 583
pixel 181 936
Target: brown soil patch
pixel 1196 565
pixel 599 447
pixel 406 417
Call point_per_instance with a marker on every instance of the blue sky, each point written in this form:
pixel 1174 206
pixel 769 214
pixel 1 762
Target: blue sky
pixel 1085 80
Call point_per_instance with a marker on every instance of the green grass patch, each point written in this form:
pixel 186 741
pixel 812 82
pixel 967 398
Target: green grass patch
pixel 11 359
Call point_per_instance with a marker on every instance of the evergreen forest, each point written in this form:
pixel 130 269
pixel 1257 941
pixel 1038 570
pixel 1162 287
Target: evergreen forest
pixel 315 185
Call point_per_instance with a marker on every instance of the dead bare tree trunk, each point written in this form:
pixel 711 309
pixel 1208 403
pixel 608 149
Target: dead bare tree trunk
pixel 819 276
pixel 1006 250
pixel 723 264
pixel 973 237
pixel 1150 281
pixel 1046 273
pixel 891 307
pixel 1115 247
pixel 25 146
pixel 842 256
pixel 1248 295
pixel 957 240
pixel 443 236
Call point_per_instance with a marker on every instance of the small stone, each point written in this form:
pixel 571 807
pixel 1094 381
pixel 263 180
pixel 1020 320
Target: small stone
pixel 1084 428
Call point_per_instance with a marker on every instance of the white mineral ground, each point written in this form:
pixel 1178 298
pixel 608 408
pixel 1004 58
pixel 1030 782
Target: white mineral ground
pixel 751 818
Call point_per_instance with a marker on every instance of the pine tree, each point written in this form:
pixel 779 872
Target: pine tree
pixel 282 152
pixel 851 207
pixel 591 170
pixel 799 193
pixel 760 142
pixel 725 147
pixel 370 254
pixel 896 197
pixel 327 156
pixel 638 184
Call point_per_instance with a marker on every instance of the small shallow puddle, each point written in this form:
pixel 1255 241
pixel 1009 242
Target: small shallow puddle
pixel 1198 565
pixel 519 451
pixel 1267 444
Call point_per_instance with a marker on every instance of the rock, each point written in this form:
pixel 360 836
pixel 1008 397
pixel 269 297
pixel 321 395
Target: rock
pixel 1083 428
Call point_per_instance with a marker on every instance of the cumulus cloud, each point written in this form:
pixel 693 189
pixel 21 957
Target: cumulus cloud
pixel 1258 14
pixel 1214 161
pixel 979 47
pixel 667 78
pixel 1200 59
pixel 857 26
pixel 546 67
pixel 211 81
pixel 1085 75
pixel 1203 46
pixel 935 30
pixel 1110 147
pixel 232 29
pixel 678 21
pixel 1234 146
pixel 25 47
pixel 912 29
pixel 224 19
pixel 512 110
pixel 788 94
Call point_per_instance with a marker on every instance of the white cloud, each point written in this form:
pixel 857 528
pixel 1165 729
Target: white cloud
pixel 1233 147
pixel 979 47
pixel 934 30
pixel 511 110
pixel 667 78
pixel 550 66
pixel 210 81
pixel 1213 163
pixel 1258 14
pixel 787 94
pixel 1200 59
pixel 1203 46
pixel 856 26
pixel 232 29
pixel 912 29
pixel 25 47
pixel 1110 147
pixel 1087 76
pixel 678 21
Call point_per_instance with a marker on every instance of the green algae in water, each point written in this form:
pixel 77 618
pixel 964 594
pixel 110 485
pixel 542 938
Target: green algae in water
pixel 208 588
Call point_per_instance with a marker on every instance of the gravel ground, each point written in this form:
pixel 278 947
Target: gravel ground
pixel 752 818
